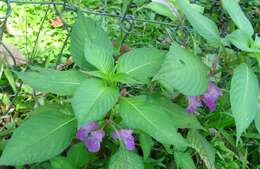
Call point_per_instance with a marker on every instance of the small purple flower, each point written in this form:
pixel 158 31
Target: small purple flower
pixel 93 141
pixel 211 96
pixel 194 103
pixel 126 136
pixel 91 136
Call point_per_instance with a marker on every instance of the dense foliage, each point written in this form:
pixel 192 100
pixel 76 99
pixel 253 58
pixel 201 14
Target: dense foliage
pixel 125 110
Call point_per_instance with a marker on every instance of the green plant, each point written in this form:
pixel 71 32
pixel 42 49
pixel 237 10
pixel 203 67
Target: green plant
pixel 136 92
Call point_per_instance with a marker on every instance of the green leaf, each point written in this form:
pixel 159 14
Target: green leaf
pixel 183 71
pixel 179 116
pixel 91 45
pixel 139 114
pixel 203 25
pixel 146 143
pixel 163 8
pixel 78 155
pixel 44 165
pixel 98 51
pixel 203 147
pixel 92 100
pixel 184 160
pixel 237 15
pixel 9 76
pixel 124 159
pixel 243 97
pixel 58 82
pixel 81 29
pixel 61 163
pixel 141 64
pixel 125 78
pixel 257 117
pixel 43 136
pixel 241 40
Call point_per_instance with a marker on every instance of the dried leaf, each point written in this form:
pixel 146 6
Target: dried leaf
pixel 16 53
pixel 57 22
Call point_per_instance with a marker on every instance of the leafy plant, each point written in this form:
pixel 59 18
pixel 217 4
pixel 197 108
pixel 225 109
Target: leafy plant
pixel 137 97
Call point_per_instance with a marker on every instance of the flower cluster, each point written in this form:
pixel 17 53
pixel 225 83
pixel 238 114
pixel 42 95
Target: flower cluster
pixel 209 98
pixel 92 136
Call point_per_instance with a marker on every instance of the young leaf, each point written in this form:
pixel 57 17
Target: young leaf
pixel 141 64
pixel 184 160
pixel 78 156
pixel 92 100
pixel 91 45
pixel 241 40
pixel 58 82
pixel 203 147
pixel 41 137
pixel 146 143
pixel 178 115
pixel 237 15
pixel 61 163
pixel 183 71
pixel 203 25
pixel 82 28
pixel 124 159
pixel 137 113
pixel 98 50
pixel 243 97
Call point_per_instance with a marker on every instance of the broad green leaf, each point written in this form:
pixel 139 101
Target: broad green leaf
pixel 44 135
pixel 183 71
pixel 241 40
pixel 163 8
pixel 237 15
pixel 92 100
pixel 61 162
pixel 141 64
pixel 98 51
pixel 203 147
pixel 139 114
pixel 78 155
pixel 82 28
pixel 125 78
pixel 243 97
pixel 178 115
pixel 203 25
pixel 146 143
pixel 58 82
pixel 184 160
pixel 124 159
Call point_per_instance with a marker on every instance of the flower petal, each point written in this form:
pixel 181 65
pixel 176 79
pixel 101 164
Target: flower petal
pixel 211 96
pixel 126 136
pixel 194 103
pixel 94 140
pixel 83 132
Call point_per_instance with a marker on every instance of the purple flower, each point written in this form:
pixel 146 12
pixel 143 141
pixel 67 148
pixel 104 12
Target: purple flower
pixel 91 136
pixel 211 96
pixel 194 103
pixel 93 141
pixel 126 136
